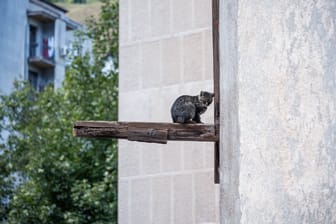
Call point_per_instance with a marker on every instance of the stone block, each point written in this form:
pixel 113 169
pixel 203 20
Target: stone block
pixel 160 17
pixel 205 198
pixel 193 57
pixel 202 13
pixel 183 195
pixel 140 201
pixel 208 149
pixel 140 19
pixel 123 205
pixel 151 64
pixel 151 158
pixel 208 55
pixel 129 67
pixel 161 200
pixel 171 157
pixel 194 88
pixel 130 105
pixel 154 99
pixel 193 155
pixel 182 15
pixel 129 157
pixel 171 61
pixel 124 22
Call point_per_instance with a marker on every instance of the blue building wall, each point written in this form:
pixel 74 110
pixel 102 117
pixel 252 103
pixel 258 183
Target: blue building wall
pixel 15 44
pixel 13 28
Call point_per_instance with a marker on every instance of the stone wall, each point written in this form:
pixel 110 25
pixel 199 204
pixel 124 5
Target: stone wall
pixel 165 52
pixel 278 111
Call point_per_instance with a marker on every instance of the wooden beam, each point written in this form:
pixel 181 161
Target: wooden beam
pixel 145 131
pixel 216 82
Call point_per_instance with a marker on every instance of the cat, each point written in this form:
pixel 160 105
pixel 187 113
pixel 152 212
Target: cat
pixel 187 109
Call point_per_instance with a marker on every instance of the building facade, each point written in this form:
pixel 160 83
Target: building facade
pixel 278 111
pixel 165 52
pixel 34 40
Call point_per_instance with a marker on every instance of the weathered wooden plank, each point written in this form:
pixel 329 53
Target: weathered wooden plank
pixel 150 131
pixel 99 124
pixel 203 133
pixel 216 80
pixel 152 135
pixel 216 66
pixel 99 129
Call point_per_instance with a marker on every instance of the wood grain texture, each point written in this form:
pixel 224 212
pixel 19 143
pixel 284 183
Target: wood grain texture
pixel 216 80
pixel 151 135
pixel 145 131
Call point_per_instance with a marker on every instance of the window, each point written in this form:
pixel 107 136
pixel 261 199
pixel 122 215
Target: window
pixel 40 79
pixel 33 78
pixel 32 41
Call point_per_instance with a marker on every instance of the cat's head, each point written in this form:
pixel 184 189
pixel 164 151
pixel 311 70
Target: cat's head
pixel 206 97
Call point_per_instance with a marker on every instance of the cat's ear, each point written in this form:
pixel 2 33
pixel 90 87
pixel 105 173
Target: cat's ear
pixel 202 93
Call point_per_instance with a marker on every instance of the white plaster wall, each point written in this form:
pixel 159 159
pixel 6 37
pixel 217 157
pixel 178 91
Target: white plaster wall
pixel 286 94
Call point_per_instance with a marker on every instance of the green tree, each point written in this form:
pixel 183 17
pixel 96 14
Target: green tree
pixel 48 176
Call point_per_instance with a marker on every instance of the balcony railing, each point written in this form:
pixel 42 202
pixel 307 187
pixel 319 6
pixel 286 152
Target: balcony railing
pixel 42 56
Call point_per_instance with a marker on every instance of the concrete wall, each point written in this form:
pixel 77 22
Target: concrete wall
pixel 12 42
pixel 60 42
pixel 165 51
pixel 279 123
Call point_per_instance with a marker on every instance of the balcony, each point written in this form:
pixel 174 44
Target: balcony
pixel 42 55
pixel 42 16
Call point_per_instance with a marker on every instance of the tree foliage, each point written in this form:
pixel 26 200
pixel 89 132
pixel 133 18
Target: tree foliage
pixel 46 175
